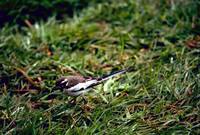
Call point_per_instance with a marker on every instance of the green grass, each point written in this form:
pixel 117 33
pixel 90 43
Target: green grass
pixel 160 97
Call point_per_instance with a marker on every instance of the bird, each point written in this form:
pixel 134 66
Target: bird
pixel 78 85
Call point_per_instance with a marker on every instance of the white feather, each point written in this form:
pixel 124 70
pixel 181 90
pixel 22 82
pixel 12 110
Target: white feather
pixel 84 85
pixel 65 80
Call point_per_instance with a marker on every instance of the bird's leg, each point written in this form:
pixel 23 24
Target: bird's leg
pixel 86 107
pixel 73 101
pixel 84 99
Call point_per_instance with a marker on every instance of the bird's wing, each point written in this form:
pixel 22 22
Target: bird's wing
pixel 83 85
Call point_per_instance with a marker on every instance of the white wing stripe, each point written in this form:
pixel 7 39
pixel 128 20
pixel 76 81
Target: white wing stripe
pixel 84 85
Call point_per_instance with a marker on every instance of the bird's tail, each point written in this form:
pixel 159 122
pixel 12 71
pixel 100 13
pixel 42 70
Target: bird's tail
pixel 106 77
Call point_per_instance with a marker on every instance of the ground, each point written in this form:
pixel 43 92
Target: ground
pixel 159 39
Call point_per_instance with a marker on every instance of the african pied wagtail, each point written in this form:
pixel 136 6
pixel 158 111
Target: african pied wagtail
pixel 78 85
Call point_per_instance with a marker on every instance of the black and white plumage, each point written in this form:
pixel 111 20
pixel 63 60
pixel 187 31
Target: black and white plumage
pixel 78 85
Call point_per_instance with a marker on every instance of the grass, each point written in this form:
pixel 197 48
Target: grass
pixel 159 39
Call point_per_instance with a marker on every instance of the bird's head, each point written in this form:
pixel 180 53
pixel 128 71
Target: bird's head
pixel 62 83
